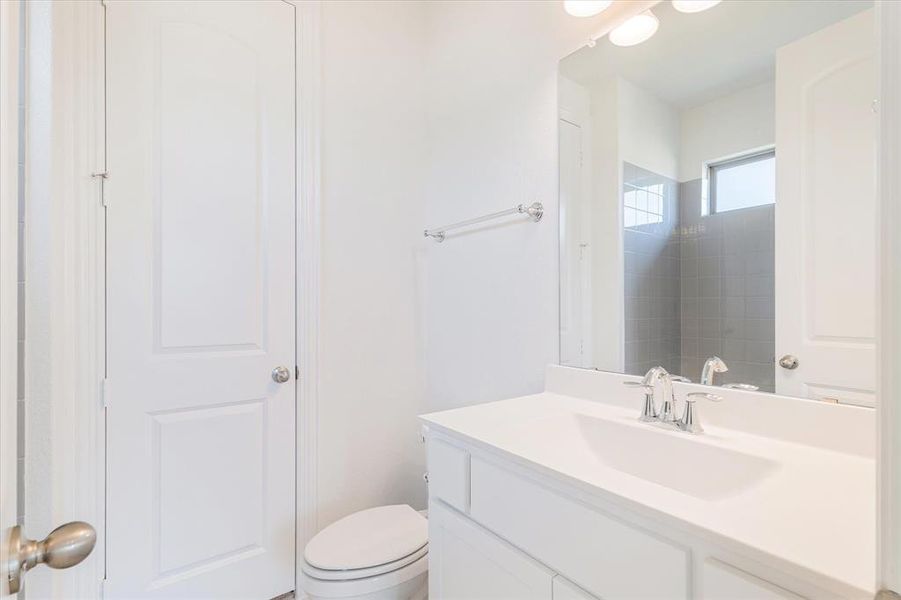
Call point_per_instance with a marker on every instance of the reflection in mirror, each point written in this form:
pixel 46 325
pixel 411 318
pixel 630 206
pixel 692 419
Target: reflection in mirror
pixel 717 199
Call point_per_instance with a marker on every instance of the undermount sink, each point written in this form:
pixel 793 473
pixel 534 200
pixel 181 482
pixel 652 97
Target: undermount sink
pixel 674 460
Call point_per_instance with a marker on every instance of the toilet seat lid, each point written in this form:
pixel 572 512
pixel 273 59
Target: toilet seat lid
pixel 368 538
pixel 357 574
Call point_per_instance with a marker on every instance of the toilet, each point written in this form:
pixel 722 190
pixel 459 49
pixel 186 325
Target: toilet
pixel 379 553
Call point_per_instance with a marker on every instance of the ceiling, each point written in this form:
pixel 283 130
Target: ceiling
pixel 694 58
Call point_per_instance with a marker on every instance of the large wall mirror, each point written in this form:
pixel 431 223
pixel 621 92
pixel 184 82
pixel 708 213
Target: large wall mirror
pixel 718 198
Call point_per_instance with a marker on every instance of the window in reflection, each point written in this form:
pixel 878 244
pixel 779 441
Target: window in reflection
pixel 743 182
pixel 642 205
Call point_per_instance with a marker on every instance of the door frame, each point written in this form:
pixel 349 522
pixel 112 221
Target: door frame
pixel 888 342
pixel 308 63
pixel 64 355
pixel 66 366
pixel 9 202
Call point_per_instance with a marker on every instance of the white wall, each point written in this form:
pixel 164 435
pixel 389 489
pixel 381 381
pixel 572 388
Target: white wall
pixel 432 112
pixel 607 326
pixel 712 131
pixel 491 296
pixel 373 173
pixel 648 130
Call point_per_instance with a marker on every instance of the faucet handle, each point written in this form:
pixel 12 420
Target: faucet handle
pixel 689 421
pixel 649 409
pixel 693 396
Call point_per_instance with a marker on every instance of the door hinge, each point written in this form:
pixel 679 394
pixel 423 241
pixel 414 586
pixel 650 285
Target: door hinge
pixel 296 372
pixel 104 393
pixel 102 176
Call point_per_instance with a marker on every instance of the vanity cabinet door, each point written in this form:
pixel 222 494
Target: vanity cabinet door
pixel 467 562
pixel 719 581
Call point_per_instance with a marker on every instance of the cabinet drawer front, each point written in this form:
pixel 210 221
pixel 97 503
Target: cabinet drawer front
pixel 467 562
pixel 599 553
pixel 720 581
pixel 449 474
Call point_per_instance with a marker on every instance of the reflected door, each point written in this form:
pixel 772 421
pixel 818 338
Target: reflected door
pixel 573 269
pixel 826 234
pixel 201 227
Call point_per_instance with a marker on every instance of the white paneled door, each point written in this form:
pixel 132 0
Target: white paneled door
pixel 826 229
pixel 200 246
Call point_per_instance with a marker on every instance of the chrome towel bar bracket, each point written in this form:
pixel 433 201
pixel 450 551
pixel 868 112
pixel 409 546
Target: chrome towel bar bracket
pixel 534 210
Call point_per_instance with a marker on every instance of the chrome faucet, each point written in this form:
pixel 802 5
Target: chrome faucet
pixel 712 366
pixel 666 415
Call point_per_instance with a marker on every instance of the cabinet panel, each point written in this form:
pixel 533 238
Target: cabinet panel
pixel 449 474
pixel 467 563
pixel 602 554
pixel 720 581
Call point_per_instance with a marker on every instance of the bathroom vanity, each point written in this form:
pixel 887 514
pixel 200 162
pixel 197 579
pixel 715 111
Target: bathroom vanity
pixel 567 495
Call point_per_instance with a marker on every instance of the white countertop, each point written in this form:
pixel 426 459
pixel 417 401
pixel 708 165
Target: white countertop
pixel 815 511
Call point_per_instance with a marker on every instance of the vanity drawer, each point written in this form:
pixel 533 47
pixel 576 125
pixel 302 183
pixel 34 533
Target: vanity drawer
pixel 599 553
pixel 449 474
pixel 720 581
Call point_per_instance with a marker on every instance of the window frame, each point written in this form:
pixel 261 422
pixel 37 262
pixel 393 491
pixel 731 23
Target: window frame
pixel 710 168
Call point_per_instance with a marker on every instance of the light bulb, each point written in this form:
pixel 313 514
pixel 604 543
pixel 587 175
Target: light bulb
pixel 636 30
pixel 585 8
pixel 694 6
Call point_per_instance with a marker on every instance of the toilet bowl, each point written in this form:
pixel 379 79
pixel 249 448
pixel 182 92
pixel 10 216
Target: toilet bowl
pixel 376 554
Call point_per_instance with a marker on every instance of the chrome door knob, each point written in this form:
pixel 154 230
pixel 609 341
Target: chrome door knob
pixel 789 362
pixel 281 374
pixel 65 547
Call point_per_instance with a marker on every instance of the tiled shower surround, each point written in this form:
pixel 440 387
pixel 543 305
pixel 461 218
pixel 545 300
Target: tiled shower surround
pixel 697 286
pixel 728 299
pixel 652 271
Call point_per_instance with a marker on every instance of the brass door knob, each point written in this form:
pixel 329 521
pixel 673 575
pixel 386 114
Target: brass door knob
pixel 65 547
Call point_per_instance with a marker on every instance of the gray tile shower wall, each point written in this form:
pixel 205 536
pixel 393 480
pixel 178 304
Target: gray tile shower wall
pixel 727 289
pixel 696 286
pixel 652 271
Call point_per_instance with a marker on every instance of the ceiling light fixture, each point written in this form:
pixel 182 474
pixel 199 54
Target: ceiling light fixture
pixel 585 8
pixel 636 30
pixel 694 6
